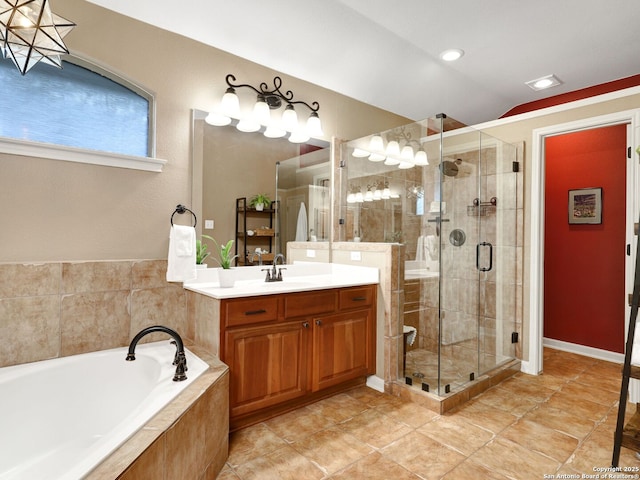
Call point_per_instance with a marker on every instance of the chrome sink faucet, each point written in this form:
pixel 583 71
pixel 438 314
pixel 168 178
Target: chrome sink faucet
pixel 180 360
pixel 275 274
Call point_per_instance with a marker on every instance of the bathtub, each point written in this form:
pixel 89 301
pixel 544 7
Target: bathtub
pixel 60 418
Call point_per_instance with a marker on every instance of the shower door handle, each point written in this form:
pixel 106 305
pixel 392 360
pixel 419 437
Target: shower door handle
pixel 484 244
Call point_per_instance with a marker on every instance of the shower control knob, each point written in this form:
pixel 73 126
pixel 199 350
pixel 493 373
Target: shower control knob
pixel 476 202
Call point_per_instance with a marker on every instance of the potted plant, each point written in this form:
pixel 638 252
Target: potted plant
pixel 260 201
pixel 201 251
pixel 225 275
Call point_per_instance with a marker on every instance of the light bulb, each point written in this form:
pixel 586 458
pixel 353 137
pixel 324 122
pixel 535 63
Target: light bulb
pixel 405 165
pixel 393 149
pixel 314 127
pixel 386 193
pixel 359 153
pixel 261 111
pixel 217 119
pixel 299 135
pixel 351 198
pixel 230 105
pixel 376 144
pixel 248 125
pixel 368 197
pixel 377 157
pixel 359 197
pixel 274 132
pixel 289 119
pixel 377 194
pixel 407 154
pixel 421 158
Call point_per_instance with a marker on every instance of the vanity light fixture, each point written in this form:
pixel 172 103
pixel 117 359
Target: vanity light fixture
pixel 30 33
pixel 261 115
pixel 543 83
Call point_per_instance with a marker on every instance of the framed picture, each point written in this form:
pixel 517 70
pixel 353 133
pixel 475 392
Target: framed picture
pixel 585 206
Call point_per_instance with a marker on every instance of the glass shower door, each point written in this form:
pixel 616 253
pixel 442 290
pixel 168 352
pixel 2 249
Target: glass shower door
pixel 461 250
pixel 478 258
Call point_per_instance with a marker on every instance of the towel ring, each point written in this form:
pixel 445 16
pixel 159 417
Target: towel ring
pixel 182 209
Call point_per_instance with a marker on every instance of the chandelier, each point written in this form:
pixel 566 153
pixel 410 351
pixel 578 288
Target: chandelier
pixel 30 32
pixel 262 114
pixel 400 149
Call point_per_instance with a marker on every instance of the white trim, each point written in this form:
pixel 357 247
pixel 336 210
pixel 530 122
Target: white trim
pixel 376 383
pixel 536 278
pixel 70 154
pixel 584 350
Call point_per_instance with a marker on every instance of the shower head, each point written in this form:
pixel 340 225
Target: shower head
pixel 449 168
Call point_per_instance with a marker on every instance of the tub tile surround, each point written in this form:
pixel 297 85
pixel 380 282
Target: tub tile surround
pixel 57 309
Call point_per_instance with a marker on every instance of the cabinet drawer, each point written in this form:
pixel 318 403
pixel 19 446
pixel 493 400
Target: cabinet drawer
pixel 311 303
pixel 251 310
pixel 356 297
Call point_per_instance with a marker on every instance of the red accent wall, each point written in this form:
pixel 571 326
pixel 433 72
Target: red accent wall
pixel 584 291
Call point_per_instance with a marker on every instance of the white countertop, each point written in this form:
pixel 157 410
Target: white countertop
pixel 297 277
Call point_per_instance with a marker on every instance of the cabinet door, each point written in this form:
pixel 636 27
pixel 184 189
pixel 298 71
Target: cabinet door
pixel 343 347
pixel 268 365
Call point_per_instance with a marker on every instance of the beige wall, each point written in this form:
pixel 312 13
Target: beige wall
pixel 61 211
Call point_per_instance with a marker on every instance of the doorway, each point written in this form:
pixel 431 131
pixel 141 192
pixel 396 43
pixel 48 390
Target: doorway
pixel 584 241
pixel 533 364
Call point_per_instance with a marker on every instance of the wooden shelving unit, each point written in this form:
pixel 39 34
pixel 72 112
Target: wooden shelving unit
pixel 261 223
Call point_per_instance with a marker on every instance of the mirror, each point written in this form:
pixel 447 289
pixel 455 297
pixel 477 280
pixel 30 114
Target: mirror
pixel 229 164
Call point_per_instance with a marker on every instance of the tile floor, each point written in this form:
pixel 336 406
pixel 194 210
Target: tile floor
pixel 561 422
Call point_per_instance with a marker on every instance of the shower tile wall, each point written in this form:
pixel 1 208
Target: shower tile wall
pixel 53 310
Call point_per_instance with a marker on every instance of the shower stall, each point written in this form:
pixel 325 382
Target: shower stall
pixel 452 195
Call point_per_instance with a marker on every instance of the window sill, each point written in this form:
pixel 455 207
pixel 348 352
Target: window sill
pixel 70 154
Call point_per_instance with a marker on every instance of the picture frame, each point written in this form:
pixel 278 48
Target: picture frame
pixel 585 206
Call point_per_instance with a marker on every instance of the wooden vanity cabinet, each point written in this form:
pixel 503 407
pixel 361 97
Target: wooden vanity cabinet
pixel 289 349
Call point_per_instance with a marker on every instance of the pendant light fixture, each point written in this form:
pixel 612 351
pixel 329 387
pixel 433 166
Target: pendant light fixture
pixel 30 33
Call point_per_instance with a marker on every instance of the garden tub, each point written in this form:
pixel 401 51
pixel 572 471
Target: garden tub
pixel 62 417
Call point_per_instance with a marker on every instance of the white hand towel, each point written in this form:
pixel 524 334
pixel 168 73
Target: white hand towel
pixel 420 249
pixel 431 246
pixel 301 227
pixel 181 262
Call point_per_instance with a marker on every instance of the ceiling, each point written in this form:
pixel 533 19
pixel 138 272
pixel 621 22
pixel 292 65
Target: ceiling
pixel 386 53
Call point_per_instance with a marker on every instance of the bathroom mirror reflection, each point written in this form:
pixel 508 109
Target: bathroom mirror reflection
pixel 230 165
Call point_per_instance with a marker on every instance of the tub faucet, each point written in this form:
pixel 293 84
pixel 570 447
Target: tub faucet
pixel 180 360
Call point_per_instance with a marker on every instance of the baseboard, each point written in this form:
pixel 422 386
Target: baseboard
pixel 376 383
pixel 584 350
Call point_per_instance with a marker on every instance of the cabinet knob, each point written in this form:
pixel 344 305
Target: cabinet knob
pixel 318 322
pixel 305 324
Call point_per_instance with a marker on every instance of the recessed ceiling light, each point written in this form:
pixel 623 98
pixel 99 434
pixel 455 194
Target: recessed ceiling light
pixel 542 83
pixel 451 55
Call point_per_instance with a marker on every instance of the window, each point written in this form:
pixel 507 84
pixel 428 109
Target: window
pixel 80 106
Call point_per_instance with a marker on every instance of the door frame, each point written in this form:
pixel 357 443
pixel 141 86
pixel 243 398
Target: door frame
pixel 536 234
